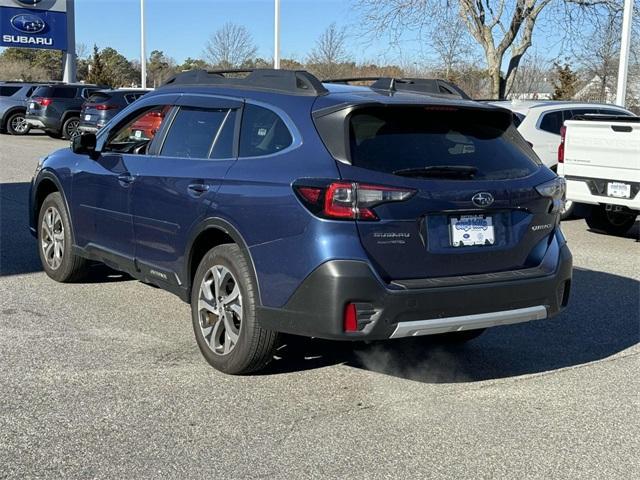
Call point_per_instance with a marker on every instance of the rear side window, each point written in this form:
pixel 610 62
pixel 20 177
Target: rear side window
pixel 393 139
pixel 64 92
pixel 552 122
pixel 193 132
pixel 8 91
pixel 262 132
pixel 132 97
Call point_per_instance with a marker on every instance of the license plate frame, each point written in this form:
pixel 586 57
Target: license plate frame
pixel 618 190
pixel 472 230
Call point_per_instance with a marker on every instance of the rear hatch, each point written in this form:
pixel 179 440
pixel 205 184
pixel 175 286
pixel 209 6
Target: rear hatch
pixel 99 107
pixel 474 207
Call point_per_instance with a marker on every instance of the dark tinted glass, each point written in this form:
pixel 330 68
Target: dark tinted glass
pixel 392 139
pixel 569 114
pixel 43 92
pixel 223 148
pixel 263 132
pixel 99 97
pixel 551 122
pixel 61 92
pixel 518 119
pixel 8 91
pixel 610 111
pixel 192 133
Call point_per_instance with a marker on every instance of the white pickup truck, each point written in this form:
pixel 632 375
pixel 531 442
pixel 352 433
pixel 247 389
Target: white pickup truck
pixel 599 156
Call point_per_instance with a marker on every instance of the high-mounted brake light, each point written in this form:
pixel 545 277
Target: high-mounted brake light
pixel 348 200
pixel 563 134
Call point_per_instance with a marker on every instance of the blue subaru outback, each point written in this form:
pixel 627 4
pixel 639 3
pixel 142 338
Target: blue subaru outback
pixel 275 203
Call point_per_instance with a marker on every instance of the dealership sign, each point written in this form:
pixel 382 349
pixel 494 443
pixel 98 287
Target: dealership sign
pixel 33 24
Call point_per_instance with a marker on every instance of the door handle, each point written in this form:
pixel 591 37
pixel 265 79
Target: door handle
pixel 125 179
pixel 197 189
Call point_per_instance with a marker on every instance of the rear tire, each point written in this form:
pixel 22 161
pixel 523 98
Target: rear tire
pixel 17 124
pixel 70 128
pixel 224 297
pixel 613 223
pixel 55 242
pixel 462 336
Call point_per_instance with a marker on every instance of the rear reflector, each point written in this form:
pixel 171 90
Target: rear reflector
pixel 350 318
pixel 342 200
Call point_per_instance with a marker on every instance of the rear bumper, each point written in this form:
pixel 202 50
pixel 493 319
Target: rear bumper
pixel 593 191
pixel 316 309
pixel 43 122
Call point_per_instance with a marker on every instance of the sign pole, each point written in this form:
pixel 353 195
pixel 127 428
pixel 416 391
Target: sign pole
pixel 625 45
pixel 276 29
pixel 143 48
pixel 69 56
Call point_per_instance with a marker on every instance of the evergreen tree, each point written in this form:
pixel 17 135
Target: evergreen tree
pixel 566 84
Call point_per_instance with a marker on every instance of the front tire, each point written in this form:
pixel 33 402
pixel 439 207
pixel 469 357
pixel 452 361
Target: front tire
pixel 17 124
pixel 613 223
pixel 55 242
pixel 223 311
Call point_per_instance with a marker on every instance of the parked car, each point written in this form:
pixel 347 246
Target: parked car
pixel 13 106
pixel 103 105
pixel 56 108
pixel 275 203
pixel 540 121
pixel 599 156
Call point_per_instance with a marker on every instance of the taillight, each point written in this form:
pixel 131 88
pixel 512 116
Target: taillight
pixel 563 133
pixel 348 200
pixel 104 106
pixel 43 102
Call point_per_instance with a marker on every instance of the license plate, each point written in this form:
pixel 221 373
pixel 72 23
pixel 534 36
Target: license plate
pixel 32 105
pixel 138 133
pixel 87 117
pixel 618 190
pixel 469 230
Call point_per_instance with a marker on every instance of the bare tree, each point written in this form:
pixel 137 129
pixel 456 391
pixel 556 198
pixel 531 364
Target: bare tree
pixel 330 52
pixel 503 28
pixel 452 43
pixel 532 80
pixel 231 46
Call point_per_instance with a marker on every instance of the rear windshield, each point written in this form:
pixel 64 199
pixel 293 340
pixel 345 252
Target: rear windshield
pixel 393 139
pixel 99 97
pixel 55 92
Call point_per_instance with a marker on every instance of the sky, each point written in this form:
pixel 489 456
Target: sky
pixel 181 28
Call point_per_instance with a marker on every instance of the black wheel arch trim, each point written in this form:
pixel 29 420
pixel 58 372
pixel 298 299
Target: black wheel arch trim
pixel 217 223
pixel 67 114
pixel 48 175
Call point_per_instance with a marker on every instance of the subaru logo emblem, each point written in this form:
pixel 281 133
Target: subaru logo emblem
pixel 28 23
pixel 482 199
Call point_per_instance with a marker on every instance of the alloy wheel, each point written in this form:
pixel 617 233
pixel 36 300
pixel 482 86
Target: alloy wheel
pixel 52 238
pixel 73 129
pixel 19 124
pixel 220 310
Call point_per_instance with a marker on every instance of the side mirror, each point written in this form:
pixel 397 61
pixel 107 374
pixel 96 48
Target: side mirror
pixel 84 144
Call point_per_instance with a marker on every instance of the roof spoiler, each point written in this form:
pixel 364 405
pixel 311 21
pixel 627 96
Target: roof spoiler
pixel 429 86
pixel 293 82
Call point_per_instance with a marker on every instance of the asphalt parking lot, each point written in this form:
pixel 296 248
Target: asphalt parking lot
pixel 103 379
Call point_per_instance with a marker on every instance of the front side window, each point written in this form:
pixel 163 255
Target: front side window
pixel 193 132
pixel 136 134
pixel 262 132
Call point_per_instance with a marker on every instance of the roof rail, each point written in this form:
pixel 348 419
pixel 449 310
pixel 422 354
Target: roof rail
pixel 430 86
pixel 294 82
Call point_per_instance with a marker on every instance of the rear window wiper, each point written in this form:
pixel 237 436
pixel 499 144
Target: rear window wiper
pixel 439 171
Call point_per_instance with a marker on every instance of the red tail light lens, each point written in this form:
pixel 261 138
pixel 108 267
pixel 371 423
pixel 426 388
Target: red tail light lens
pixel 104 106
pixel 44 102
pixel 350 318
pixel 348 200
pixel 563 133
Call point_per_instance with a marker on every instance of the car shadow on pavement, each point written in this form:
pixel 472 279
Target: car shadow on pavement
pixel 18 249
pixel 601 320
